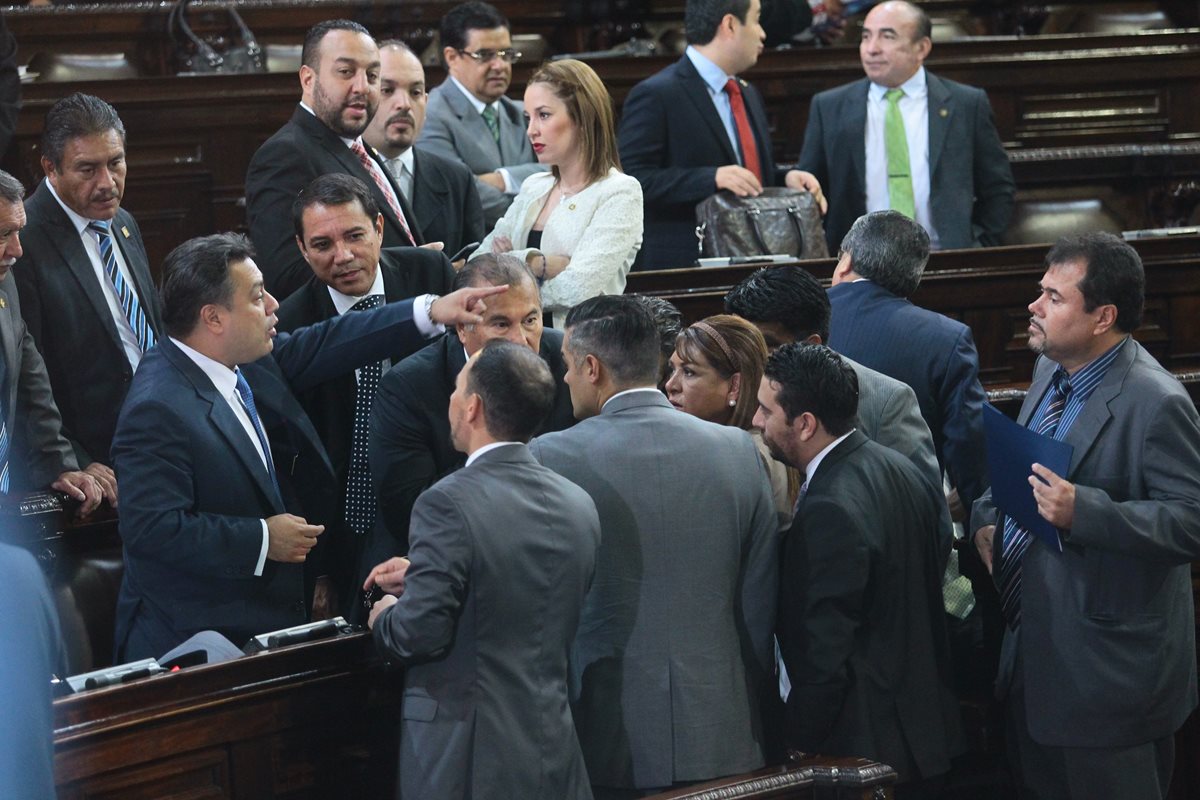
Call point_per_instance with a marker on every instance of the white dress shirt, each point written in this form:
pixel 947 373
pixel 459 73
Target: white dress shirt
pixel 471 458
pixel 420 309
pixel 914 110
pixel 510 186
pixel 91 246
pixel 225 381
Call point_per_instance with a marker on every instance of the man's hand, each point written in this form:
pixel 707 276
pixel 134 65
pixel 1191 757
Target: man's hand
pixel 381 605
pixel 80 486
pixel 1055 497
pixel 493 179
pixel 738 180
pixel 106 478
pixel 324 599
pixel 435 246
pixel 289 538
pixel 983 543
pixel 464 306
pixel 389 576
pixel 807 182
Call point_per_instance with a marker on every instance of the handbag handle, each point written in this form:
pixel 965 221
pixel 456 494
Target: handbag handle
pixel 794 216
pixel 177 20
pixel 752 215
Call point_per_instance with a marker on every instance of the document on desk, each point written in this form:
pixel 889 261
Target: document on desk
pixel 1012 450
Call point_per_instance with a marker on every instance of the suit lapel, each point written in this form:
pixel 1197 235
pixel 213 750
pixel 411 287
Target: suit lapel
pixel 512 133
pixel 470 119
pixel 429 186
pixel 1086 428
pixel 9 372
pixel 696 91
pixel 941 113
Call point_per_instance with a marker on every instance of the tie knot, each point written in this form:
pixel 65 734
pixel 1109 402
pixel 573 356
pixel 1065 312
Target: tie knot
pixel 893 95
pixel 368 302
pixel 99 226
pixel 1062 382
pixel 732 87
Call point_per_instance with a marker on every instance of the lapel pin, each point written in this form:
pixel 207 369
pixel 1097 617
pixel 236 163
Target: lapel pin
pixel 3 303
pixel 942 113
pixel 125 230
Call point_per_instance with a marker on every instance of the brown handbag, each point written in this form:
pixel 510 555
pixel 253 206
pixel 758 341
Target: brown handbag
pixel 778 222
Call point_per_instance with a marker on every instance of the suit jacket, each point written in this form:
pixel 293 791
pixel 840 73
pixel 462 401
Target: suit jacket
pixel 1107 637
pixel 502 555
pixel 408 272
pixel 194 490
pixel 67 313
pixel 302 150
pixel 861 626
pixel 38 453
pixel 672 140
pixel 456 131
pixel 933 354
pixel 971 191
pixel 674 644
pixel 410 446
pixel 446 201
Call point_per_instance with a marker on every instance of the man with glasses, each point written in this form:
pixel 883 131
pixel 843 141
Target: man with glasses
pixel 469 119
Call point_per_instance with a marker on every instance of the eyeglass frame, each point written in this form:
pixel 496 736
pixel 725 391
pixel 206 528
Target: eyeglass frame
pixel 503 55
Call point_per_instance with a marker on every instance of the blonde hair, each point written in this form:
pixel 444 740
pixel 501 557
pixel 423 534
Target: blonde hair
pixel 590 107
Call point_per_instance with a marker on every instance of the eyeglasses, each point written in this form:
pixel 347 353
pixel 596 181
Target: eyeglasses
pixel 485 56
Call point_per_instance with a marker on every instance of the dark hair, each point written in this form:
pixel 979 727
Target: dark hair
pixel 516 388
pixel 310 56
pixel 619 331
pixel 736 348
pixel 196 274
pixel 814 379
pixel 74 116
pixel 788 295
pixel 701 18
pixel 495 269
pixel 889 249
pixel 1114 275
pixel 668 320
pixel 467 17
pixel 589 106
pixel 11 189
pixel 333 189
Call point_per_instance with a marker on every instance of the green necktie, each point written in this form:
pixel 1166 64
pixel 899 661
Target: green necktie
pixel 900 191
pixel 493 123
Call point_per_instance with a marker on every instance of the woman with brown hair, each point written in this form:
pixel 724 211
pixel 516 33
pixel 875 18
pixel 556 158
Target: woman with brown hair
pixel 579 226
pixel 716 371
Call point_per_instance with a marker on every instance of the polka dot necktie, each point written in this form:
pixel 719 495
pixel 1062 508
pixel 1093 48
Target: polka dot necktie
pixel 360 496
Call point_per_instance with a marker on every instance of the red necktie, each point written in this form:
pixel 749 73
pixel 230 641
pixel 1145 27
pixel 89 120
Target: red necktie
pixel 370 167
pixel 745 135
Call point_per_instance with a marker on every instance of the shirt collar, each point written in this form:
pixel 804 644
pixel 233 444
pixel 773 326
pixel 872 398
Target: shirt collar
pixel 811 469
pixel 471 458
pixel 475 102
pixel 1088 377
pixel 80 222
pixel 222 377
pixel 631 391
pixel 344 302
pixel 713 76
pixel 913 87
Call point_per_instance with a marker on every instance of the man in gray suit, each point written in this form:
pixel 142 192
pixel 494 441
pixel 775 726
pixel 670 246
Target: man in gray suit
pixel 469 119
pixel 1099 658
pixel 501 556
pixel 674 645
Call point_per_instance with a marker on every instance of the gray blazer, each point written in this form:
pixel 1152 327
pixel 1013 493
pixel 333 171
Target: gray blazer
pixel 1107 639
pixel 38 452
pixel 454 130
pixel 675 639
pixel 502 553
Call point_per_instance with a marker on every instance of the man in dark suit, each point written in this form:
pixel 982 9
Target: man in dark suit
pixel 441 191
pixel 674 647
pixel 340 231
pixel 86 290
pixel 470 119
pixel 33 451
pixel 409 442
pixel 861 629
pixel 217 458
pixel 874 323
pixel 502 555
pixel 1099 658
pixel 694 129
pixel 956 178
pixel 339 81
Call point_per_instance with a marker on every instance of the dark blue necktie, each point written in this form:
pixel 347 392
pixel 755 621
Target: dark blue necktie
pixel 360 495
pixel 125 293
pixel 1016 538
pixel 247 396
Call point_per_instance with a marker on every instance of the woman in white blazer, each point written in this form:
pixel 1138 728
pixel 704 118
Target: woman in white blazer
pixel 579 226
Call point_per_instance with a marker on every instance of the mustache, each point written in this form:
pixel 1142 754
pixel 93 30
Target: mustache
pixel 401 116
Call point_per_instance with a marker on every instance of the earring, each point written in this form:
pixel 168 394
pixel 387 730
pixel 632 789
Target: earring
pixel 732 403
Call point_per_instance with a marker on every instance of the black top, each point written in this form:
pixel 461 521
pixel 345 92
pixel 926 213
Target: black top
pixel 534 239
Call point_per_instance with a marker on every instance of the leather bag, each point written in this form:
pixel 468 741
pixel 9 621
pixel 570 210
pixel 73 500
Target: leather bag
pixel 778 222
pixel 195 56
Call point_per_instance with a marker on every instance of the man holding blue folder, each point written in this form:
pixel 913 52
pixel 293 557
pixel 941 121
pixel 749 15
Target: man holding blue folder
pixel 1099 657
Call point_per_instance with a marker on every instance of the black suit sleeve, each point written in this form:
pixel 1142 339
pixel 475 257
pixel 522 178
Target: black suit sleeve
pixel 644 142
pixel 272 182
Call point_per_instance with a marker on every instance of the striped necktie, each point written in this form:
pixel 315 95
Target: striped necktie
pixel 376 174
pixel 899 172
pixel 1016 538
pixel 360 495
pixel 126 295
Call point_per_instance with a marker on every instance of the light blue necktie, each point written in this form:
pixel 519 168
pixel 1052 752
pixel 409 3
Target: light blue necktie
pixel 125 293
